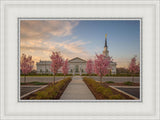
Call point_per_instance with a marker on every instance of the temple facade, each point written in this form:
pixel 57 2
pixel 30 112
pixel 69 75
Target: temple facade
pixel 76 65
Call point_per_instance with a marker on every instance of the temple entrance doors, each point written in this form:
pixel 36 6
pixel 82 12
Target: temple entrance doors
pixel 77 70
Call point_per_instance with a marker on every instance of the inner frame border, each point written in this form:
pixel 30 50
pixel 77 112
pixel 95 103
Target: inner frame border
pixel 80 18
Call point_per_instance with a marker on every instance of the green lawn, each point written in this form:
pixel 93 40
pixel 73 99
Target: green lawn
pixel 34 83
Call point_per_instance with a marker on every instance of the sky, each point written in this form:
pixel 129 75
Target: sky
pixel 81 38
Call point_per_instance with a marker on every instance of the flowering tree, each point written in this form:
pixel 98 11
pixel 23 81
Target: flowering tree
pixel 26 65
pixel 101 65
pixel 133 67
pixel 89 67
pixel 65 67
pixel 57 62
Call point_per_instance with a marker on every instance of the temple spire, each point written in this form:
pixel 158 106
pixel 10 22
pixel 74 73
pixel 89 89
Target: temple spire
pixel 105 40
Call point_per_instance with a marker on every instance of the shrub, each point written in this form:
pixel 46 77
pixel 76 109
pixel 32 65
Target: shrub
pixel 97 88
pixel 128 83
pixel 51 91
pixel 88 74
pixel 46 74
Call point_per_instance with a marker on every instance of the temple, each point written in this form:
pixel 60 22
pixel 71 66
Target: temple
pixel 106 54
pixel 76 65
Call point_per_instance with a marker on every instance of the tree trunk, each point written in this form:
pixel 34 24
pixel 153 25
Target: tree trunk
pixel 54 79
pixel 24 78
pixel 101 79
pixel 132 78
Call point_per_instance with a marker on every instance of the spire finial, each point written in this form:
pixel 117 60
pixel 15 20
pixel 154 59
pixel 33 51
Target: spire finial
pixel 106 36
pixel 105 40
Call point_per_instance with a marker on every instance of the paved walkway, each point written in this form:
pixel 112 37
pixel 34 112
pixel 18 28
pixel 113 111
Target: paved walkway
pixel 77 90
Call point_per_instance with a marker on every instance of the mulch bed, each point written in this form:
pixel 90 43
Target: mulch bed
pixel 96 95
pixel 58 95
pixel 101 97
pixel 62 90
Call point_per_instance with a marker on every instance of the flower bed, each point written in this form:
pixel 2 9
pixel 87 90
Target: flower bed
pixel 51 91
pixel 101 91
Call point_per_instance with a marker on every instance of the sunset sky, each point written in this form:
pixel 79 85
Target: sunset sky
pixel 81 38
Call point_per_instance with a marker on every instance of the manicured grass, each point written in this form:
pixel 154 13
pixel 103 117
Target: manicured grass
pixel 109 82
pixel 59 74
pixel 128 83
pixel 44 76
pixel 51 91
pixel 101 91
pixel 117 75
pixel 34 83
pixel 89 75
pixel 121 84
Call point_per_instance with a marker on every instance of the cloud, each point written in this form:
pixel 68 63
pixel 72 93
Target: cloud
pixel 68 49
pixel 38 39
pixel 74 46
pixel 41 29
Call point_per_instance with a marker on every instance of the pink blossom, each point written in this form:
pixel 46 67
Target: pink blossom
pixel 26 64
pixel 102 65
pixel 133 67
pixel 65 67
pixel 89 67
pixel 57 62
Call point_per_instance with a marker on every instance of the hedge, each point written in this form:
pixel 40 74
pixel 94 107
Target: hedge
pixel 58 74
pixel 52 91
pixel 97 89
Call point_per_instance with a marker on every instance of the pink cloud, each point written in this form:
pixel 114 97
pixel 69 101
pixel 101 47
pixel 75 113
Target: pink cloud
pixel 34 36
pixel 38 29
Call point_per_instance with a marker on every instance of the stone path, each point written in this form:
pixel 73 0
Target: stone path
pixel 77 90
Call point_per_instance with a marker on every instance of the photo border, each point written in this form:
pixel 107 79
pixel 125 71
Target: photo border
pixel 82 18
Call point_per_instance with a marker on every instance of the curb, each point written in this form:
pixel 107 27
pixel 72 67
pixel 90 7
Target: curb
pixel 33 91
pixel 135 98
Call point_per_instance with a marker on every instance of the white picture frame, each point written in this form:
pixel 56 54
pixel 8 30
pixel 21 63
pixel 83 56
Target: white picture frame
pixel 11 108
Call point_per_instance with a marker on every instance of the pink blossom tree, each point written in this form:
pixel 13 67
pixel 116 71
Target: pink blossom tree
pixel 89 67
pixel 133 67
pixel 26 65
pixel 65 67
pixel 102 65
pixel 56 64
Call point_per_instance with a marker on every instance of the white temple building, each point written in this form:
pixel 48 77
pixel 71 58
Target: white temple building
pixel 106 53
pixel 76 65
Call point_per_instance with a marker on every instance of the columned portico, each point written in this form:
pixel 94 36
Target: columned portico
pixel 77 66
